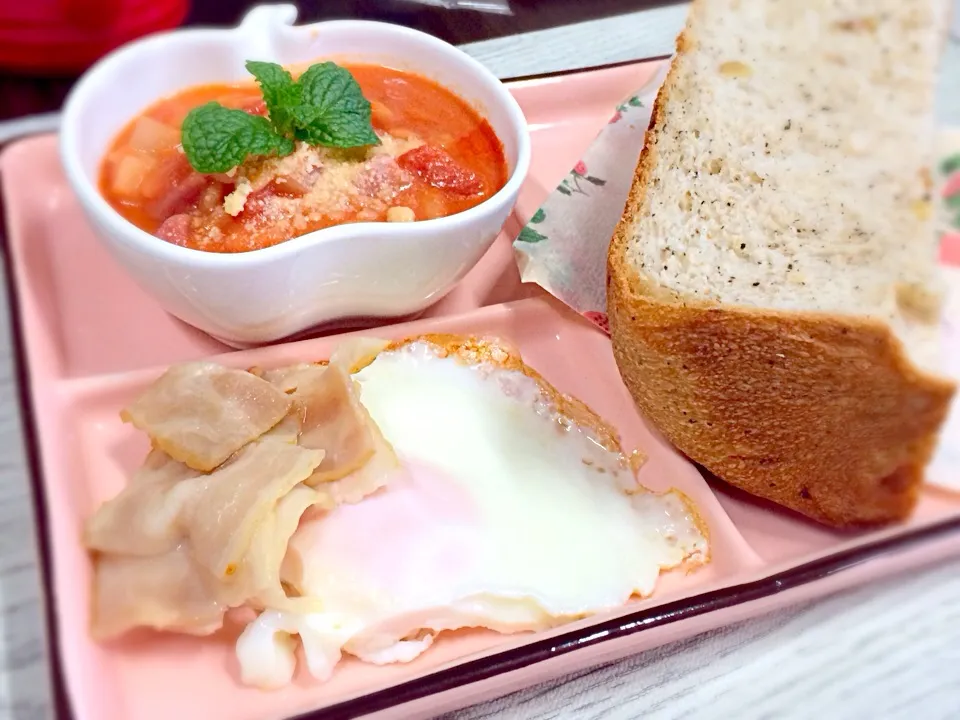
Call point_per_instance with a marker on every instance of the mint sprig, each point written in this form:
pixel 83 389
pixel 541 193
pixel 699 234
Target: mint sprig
pixel 280 91
pixel 217 139
pixel 334 111
pixel 325 107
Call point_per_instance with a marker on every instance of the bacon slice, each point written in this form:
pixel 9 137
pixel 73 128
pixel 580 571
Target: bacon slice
pixel 356 353
pixel 230 503
pixel 288 429
pixel 334 418
pixel 201 413
pixel 144 518
pixel 263 561
pixel 352 355
pixel 175 187
pixel 206 527
pixel 180 548
pixel 166 592
pixel 287 379
pixel 374 474
pixel 359 460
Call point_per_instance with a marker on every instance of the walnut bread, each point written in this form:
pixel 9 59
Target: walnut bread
pixel 773 287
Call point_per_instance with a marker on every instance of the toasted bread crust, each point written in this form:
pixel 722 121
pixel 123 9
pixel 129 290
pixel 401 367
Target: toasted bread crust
pixel 821 413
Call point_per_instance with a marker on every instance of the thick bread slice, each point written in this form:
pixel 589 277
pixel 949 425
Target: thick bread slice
pixel 772 285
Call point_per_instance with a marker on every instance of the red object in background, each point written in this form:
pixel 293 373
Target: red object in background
pixel 67 36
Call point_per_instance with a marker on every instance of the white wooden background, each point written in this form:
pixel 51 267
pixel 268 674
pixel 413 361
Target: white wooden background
pixel 890 650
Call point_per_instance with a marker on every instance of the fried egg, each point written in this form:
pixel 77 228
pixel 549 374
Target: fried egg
pixel 505 514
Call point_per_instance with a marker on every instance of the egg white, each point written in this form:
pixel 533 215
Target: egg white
pixel 504 516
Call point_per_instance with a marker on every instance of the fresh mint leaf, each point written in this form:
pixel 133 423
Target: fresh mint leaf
pixel 324 107
pixel 339 131
pixel 334 111
pixel 280 93
pixel 302 117
pixel 217 139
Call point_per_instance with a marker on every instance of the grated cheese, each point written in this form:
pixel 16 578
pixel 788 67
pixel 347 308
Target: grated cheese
pixel 335 181
pixel 234 202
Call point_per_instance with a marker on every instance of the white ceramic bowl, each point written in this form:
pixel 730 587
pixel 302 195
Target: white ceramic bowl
pixel 354 270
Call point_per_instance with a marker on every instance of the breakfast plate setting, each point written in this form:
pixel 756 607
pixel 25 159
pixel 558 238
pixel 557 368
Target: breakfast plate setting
pixel 359 383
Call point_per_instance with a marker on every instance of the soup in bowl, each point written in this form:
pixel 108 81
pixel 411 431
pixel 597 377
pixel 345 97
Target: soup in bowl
pixel 429 155
pixel 267 179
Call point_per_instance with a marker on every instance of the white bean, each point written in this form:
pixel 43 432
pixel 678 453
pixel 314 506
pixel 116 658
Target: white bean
pixel 400 214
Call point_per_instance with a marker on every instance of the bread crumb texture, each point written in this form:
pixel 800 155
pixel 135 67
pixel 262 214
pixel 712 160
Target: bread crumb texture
pixel 773 288
pixel 792 155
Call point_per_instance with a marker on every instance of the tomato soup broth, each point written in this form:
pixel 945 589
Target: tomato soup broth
pixel 437 156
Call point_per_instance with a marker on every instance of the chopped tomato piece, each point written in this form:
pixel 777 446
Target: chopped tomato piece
pixel 439 169
pixel 175 229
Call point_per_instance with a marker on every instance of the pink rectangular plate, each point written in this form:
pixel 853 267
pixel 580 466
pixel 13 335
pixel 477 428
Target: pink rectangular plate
pixel 87 339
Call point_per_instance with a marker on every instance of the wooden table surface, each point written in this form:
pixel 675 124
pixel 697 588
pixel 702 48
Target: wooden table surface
pixel 887 650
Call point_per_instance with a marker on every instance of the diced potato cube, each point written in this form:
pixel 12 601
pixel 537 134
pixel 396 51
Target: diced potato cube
pixel 129 174
pixel 432 205
pixel 149 134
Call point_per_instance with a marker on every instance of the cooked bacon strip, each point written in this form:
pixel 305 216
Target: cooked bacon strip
pixel 335 421
pixel 229 505
pixel 144 518
pixel 352 355
pixel 356 353
pixel 175 187
pixel 180 548
pixel 201 413
pixel 359 460
pixel 262 563
pixel 287 379
pixel 288 429
pixel 166 592
pixel 374 475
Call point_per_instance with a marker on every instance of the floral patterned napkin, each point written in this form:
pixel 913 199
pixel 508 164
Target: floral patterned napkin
pixel 563 248
pixel 949 184
pixel 944 469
